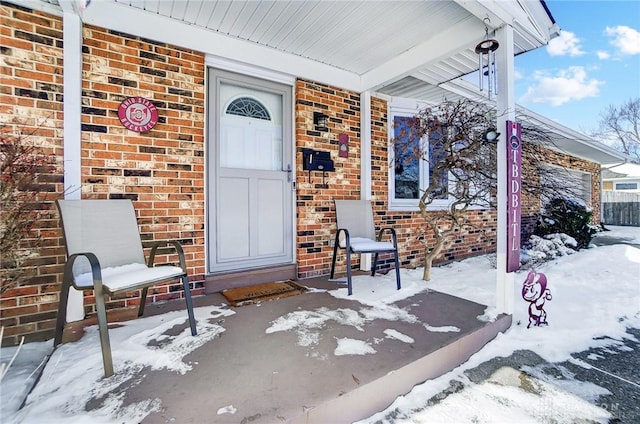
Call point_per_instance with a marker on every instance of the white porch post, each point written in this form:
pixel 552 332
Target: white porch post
pixel 365 161
pixel 72 38
pixel 365 145
pixel 505 104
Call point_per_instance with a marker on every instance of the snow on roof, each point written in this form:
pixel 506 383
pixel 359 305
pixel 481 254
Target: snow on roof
pixel 626 170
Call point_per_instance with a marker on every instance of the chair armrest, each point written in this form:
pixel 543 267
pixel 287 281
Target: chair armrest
pixel 393 235
pixel 177 247
pixel 96 271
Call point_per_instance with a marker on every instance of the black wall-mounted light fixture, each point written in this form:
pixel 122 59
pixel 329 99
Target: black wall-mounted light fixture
pixel 490 136
pixel 321 121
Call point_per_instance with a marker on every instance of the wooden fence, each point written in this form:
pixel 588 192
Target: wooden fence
pixel 620 208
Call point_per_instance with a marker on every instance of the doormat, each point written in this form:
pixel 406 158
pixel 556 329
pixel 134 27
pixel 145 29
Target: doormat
pixel 262 292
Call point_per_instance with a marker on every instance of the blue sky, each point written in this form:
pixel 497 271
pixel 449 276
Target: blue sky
pixel 594 63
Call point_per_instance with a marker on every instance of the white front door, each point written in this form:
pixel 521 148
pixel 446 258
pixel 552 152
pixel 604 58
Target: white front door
pixel 250 216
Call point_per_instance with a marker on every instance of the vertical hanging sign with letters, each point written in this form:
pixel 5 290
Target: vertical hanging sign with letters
pixel 514 193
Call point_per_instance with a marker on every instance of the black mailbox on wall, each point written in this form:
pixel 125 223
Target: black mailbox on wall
pixel 315 160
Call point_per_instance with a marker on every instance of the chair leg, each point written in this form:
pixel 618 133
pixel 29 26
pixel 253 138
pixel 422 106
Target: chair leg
pixel 335 254
pixel 374 265
pixel 143 300
pixel 397 269
pixel 349 288
pixel 187 298
pixel 103 327
pixel 62 313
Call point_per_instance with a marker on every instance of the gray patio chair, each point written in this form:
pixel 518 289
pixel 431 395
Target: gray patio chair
pixel 104 254
pixel 356 235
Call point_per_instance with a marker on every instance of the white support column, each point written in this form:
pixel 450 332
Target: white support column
pixel 505 104
pixel 365 161
pixel 365 145
pixel 72 38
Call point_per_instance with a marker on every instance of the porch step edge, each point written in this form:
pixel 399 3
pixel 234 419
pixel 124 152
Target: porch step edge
pixel 377 395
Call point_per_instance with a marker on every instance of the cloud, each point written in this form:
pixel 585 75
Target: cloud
pixel 517 74
pixel 567 85
pixel 625 39
pixel 603 55
pixel 566 44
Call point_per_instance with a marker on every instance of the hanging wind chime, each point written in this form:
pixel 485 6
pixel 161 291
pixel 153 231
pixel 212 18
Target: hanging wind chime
pixel 487 61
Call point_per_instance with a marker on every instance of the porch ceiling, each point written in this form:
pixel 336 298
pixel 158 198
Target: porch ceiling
pixel 358 45
pixel 412 49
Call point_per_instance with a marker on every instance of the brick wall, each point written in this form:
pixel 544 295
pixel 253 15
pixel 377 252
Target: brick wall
pixel 316 215
pixel 31 104
pixel 314 203
pixel 531 205
pixel 162 170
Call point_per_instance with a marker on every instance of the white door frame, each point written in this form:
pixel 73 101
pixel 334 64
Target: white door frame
pixel 262 81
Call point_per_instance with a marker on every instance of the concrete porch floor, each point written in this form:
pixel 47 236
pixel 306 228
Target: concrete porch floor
pixel 271 378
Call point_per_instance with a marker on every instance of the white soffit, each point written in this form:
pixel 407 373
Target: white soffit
pixel 358 45
pixel 565 139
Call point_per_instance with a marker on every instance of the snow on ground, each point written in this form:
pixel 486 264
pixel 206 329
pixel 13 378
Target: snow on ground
pixel 347 346
pixel 22 373
pixel 137 344
pixel 595 292
pixel 628 234
pixel 534 402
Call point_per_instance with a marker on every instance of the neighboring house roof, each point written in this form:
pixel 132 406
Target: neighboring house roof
pixel 626 170
pixel 356 45
pixel 575 143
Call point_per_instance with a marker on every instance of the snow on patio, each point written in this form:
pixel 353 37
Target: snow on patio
pixel 596 293
pixel 74 374
pixel 377 296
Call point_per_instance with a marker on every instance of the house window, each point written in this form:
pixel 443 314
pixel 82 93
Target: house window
pixel 251 108
pixel 406 160
pixel 626 186
pixel 568 183
pixel 412 159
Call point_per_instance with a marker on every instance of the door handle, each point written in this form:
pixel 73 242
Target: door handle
pixel 289 171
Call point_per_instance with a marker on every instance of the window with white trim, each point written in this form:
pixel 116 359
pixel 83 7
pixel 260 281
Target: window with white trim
pixel 569 183
pixel 409 172
pixel 626 186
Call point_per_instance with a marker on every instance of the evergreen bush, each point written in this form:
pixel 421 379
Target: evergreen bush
pixel 569 217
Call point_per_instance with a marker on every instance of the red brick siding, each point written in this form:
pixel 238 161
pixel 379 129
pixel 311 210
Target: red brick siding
pixel 31 103
pixel 531 205
pixel 316 215
pixel 162 170
pixel 314 203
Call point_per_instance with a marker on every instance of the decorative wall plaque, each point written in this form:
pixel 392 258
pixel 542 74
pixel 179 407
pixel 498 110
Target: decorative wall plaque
pixel 138 114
